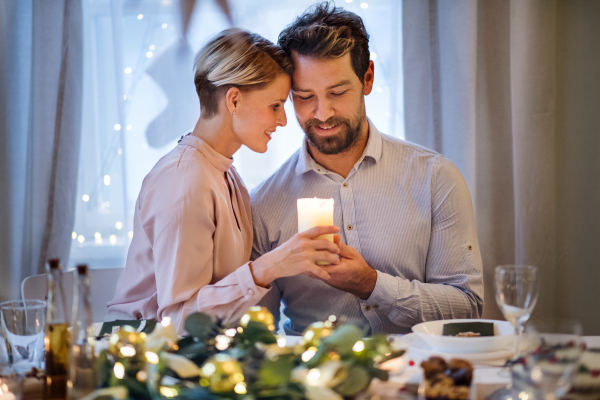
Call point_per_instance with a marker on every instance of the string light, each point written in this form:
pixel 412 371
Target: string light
pixel 128 70
pixel 80 239
pixel 130 234
pixel 117 127
pixel 379 89
pixel 152 47
pixel 74 235
pixel 120 151
pixel 140 16
pixel 149 54
pixel 119 225
pixel 113 239
pixel 85 197
pixel 128 127
pixel 107 180
pixel 373 55
pixel 364 5
pixel 164 26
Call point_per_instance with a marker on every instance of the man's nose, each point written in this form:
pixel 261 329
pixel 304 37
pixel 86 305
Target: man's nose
pixel 323 111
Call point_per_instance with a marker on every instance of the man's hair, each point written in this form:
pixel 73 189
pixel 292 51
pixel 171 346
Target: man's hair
pixel 236 58
pixel 326 31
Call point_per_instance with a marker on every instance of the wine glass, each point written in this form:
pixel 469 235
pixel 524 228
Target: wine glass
pixel 517 288
pixel 554 349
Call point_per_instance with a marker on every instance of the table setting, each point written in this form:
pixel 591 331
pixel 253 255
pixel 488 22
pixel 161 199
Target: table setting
pixel 46 357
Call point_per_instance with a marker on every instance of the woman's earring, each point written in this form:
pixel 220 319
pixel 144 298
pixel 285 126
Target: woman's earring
pixel 233 113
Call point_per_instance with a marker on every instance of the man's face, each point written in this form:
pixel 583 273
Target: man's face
pixel 329 102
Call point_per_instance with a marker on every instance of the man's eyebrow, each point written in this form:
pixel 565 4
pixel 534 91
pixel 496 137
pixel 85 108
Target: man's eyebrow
pixel 341 83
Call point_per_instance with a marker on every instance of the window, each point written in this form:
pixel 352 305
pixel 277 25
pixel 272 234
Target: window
pixel 139 99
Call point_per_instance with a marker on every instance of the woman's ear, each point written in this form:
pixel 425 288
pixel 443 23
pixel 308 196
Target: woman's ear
pixel 231 99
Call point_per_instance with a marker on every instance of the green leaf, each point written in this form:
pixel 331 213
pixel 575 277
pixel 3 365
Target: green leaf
pixel 104 369
pixel 358 379
pixel 379 374
pixel 199 325
pixel 343 338
pixel 257 332
pixel 276 372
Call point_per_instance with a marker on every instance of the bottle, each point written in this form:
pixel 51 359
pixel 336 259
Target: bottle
pixel 56 340
pixel 83 378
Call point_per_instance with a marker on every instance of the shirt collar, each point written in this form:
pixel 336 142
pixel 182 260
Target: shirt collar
pixel 372 150
pixel 218 160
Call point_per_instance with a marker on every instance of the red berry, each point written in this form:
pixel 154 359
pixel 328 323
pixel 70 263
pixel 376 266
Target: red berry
pixel 522 361
pixel 553 359
pixel 595 373
pixel 411 363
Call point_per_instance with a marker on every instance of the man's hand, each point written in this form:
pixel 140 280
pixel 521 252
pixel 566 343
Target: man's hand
pixel 352 274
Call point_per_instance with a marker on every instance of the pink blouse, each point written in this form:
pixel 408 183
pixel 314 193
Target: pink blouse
pixel 191 243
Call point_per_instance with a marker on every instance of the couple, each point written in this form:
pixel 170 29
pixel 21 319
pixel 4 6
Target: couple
pixel 407 248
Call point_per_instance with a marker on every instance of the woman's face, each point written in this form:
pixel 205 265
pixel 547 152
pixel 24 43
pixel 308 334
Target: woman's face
pixel 259 112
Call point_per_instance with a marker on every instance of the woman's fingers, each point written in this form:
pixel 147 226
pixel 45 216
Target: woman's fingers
pixel 319 272
pixel 322 244
pixel 324 255
pixel 320 230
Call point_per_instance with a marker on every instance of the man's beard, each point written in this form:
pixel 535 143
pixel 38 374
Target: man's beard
pixel 339 142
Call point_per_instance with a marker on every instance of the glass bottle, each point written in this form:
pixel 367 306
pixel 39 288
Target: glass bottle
pixel 56 340
pixel 83 378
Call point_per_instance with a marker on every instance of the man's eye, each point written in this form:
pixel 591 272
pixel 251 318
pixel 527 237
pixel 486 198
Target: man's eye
pixel 339 94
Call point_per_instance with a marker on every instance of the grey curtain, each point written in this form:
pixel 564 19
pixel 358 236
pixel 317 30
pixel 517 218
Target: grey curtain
pixel 510 92
pixel 40 126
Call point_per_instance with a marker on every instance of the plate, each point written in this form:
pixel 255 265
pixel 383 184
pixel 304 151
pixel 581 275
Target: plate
pixel 420 350
pixel 431 333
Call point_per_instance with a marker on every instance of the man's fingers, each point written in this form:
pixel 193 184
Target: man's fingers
pixel 320 230
pixel 319 273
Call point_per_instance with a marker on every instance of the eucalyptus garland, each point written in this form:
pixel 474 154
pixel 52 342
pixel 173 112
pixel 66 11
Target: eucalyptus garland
pixel 245 361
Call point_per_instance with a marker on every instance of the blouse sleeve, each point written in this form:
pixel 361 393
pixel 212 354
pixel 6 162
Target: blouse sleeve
pixel 180 222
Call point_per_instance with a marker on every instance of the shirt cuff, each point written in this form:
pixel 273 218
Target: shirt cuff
pixel 384 295
pixel 247 285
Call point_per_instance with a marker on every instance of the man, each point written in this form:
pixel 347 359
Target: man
pixel 409 250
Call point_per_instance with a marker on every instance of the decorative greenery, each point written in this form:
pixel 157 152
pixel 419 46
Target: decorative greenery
pixel 245 361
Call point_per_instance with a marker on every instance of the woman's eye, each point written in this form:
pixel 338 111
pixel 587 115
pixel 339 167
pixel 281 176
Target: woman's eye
pixel 305 98
pixel 276 106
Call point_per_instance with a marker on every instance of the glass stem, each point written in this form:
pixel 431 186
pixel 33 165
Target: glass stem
pixel 517 340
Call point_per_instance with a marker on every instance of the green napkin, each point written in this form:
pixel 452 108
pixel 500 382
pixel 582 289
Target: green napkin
pixel 141 325
pixel 454 328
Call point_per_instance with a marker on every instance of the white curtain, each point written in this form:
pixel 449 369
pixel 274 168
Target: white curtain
pixel 40 128
pixel 510 92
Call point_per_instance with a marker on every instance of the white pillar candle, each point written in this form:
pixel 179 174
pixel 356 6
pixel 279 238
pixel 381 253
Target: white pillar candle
pixel 315 212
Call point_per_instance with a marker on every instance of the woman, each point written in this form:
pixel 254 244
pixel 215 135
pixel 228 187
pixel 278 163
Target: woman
pixel 192 223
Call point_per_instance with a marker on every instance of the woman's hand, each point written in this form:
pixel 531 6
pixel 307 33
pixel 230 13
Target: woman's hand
pixel 297 256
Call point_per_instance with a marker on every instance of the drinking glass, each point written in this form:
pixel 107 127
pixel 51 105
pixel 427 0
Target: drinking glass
pixel 517 288
pixel 23 323
pixel 554 349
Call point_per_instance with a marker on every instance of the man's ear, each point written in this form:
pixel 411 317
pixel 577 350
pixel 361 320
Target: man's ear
pixel 368 79
pixel 232 97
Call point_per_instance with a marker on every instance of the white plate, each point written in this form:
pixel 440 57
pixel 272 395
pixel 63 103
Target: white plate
pixel 420 350
pixel 431 333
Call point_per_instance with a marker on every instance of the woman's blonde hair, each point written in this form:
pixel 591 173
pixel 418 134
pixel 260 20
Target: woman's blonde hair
pixel 235 58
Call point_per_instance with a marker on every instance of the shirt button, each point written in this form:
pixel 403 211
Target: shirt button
pixel 368 307
pixel 349 227
pixel 345 185
pixel 250 292
pixel 376 307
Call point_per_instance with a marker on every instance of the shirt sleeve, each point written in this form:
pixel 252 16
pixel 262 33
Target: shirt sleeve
pixel 181 222
pixel 453 287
